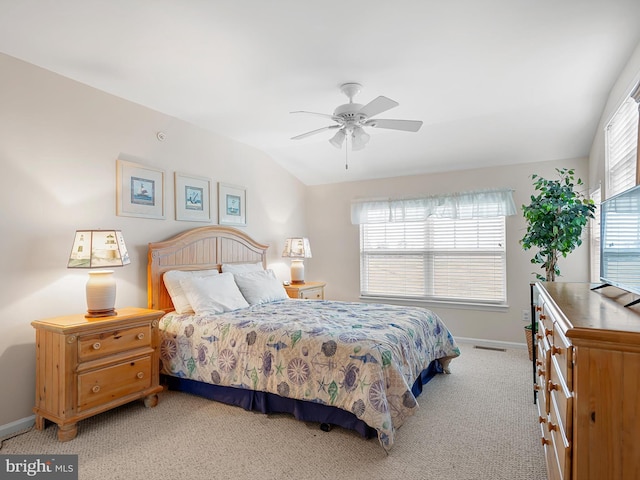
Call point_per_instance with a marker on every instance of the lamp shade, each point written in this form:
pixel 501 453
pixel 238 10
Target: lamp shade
pixel 297 247
pixel 97 249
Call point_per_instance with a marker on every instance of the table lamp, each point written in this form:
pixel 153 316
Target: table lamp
pixel 97 249
pixel 297 248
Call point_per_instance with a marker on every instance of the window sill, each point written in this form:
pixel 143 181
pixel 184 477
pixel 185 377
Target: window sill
pixel 436 303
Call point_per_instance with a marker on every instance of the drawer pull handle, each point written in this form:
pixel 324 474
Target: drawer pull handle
pixel 539 363
pixel 140 375
pixel 553 386
pixel 95 388
pixel 541 419
pixel 543 316
pixel 540 372
pixel 140 336
pixel 544 441
pixel 538 308
pixel 536 387
pixel 547 332
pixel 552 426
pixel 96 346
pixel 556 350
pixel 539 336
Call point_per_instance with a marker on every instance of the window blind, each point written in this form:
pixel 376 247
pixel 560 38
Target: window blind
pixel 594 236
pixel 460 260
pixel 622 144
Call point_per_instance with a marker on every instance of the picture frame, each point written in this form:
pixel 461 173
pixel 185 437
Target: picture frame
pixel 139 190
pixel 192 198
pixel 232 204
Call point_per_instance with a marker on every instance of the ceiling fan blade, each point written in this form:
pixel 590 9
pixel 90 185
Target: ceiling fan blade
pixel 378 105
pixel 324 115
pixel 405 125
pixel 313 132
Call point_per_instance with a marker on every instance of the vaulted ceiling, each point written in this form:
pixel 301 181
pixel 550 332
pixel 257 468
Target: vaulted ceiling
pixel 495 82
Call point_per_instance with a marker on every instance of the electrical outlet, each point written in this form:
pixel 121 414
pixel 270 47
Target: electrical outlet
pixel 526 315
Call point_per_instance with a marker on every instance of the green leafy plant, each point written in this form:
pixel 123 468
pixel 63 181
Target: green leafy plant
pixel 555 219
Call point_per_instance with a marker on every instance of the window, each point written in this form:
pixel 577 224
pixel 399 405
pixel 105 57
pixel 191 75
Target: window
pixel 594 236
pixel 448 248
pixel 436 259
pixel 621 148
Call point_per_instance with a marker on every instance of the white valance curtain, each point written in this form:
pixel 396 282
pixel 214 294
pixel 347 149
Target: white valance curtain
pixel 465 205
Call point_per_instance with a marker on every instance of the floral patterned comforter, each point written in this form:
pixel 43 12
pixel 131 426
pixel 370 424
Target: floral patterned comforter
pixel 359 357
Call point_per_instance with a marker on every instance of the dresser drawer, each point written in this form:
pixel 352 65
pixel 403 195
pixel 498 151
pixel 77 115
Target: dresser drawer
pixel 542 347
pixel 562 352
pixel 98 387
pixel 559 440
pixel 312 293
pixel 560 398
pixel 114 341
pixel 544 318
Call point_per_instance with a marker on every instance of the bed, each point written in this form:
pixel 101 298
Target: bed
pixel 356 365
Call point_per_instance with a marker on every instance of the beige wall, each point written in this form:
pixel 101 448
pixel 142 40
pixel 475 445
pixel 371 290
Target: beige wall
pixel 59 141
pixel 335 242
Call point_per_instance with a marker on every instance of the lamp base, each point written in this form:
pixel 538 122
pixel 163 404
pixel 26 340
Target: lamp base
pixel 101 294
pixel 297 271
pixel 100 313
pixel 297 282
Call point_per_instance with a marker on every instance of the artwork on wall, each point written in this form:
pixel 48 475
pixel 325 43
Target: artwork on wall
pixel 193 198
pixel 139 190
pixel 232 205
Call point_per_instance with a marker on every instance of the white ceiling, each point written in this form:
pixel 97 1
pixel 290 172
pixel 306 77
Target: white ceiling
pixel 495 81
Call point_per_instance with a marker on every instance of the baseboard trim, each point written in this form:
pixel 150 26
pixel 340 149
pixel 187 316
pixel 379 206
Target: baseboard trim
pixel 9 429
pixel 491 343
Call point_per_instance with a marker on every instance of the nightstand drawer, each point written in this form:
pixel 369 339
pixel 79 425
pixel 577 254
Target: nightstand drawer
pixel 101 386
pixel 312 293
pixel 114 341
pixel 306 291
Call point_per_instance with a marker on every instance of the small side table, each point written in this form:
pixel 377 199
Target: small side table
pixel 307 290
pixel 85 366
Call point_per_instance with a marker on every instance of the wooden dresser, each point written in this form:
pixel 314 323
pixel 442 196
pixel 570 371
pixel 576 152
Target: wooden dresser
pixel 588 381
pixel 87 366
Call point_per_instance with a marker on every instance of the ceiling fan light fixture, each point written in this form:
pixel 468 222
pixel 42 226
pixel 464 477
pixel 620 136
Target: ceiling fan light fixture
pixel 338 139
pixel 359 138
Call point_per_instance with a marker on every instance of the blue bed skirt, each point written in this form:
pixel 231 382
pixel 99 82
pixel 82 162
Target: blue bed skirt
pixel 265 402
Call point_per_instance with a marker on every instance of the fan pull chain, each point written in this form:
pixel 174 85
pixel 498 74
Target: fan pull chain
pixel 346 153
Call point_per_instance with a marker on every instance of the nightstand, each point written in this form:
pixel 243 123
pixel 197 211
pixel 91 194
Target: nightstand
pixel 85 366
pixel 307 290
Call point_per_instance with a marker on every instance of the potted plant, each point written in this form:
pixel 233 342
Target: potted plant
pixel 555 219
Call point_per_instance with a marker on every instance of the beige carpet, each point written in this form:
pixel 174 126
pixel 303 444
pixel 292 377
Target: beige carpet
pixel 477 423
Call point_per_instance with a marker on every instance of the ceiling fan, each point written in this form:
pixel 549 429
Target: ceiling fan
pixel 352 117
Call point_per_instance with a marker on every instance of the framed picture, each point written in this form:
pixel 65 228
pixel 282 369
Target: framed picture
pixel 193 198
pixel 139 190
pixel 232 204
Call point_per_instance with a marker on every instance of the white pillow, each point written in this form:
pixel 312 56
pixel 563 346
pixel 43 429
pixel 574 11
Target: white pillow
pixel 172 282
pixel 260 287
pixel 242 267
pixel 213 294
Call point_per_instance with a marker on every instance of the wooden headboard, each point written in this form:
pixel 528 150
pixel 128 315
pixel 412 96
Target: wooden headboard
pixel 197 249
